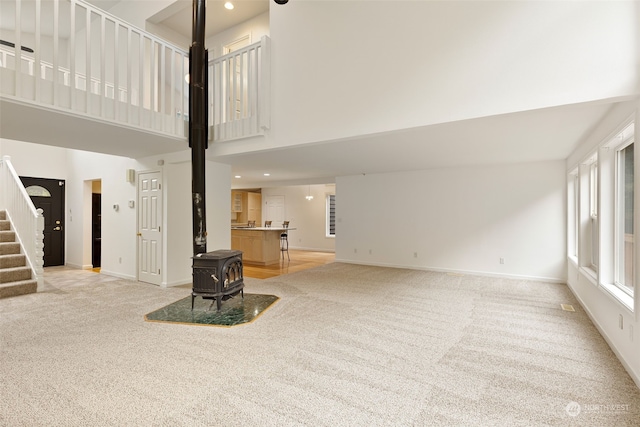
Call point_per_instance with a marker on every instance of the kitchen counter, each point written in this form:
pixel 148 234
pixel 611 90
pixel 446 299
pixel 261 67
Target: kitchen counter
pixel 259 245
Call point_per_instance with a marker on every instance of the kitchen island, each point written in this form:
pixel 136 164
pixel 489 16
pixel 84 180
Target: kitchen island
pixel 259 245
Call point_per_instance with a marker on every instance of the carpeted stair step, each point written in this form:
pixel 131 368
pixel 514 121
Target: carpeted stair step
pixel 7 248
pixel 15 274
pixel 3 215
pixel 5 224
pixel 7 236
pixel 22 287
pixel 13 260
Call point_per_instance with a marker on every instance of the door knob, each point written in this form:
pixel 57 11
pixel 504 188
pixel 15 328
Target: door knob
pixel 139 234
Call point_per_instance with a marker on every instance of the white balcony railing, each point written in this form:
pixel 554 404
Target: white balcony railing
pixel 71 46
pixel 69 55
pixel 239 92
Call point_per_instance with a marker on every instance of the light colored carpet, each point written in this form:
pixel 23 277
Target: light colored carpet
pixel 345 345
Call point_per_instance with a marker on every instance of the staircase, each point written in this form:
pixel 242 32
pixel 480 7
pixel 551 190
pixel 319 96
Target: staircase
pixel 15 275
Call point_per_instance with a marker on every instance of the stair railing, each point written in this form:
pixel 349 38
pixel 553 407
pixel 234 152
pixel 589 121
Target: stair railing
pixel 26 220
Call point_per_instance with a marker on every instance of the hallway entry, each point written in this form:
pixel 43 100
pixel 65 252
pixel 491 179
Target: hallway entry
pixel 48 195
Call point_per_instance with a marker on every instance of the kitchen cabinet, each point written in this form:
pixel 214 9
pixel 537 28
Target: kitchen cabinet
pixel 258 245
pixel 247 206
pixel 236 201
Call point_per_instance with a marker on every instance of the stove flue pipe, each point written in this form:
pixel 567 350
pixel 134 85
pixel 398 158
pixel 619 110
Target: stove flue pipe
pixel 198 126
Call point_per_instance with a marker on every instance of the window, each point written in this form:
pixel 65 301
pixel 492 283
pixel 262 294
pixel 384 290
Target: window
pixel 37 191
pixel 331 215
pixel 623 209
pixel 593 213
pixel 573 200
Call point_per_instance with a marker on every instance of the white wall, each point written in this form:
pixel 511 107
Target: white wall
pixel 415 63
pixel 255 28
pixel 39 161
pixel 307 217
pixel 458 219
pixel 119 241
pixel 603 309
pixel 119 228
pixel 78 168
pixel 179 215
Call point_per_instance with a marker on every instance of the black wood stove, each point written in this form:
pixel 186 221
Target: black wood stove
pixel 217 275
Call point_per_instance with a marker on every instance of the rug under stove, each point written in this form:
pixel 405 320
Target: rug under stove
pixel 234 311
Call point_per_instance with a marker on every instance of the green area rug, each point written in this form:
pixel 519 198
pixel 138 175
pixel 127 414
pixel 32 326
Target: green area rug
pixel 235 311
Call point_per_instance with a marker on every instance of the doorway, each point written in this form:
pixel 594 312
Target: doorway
pixel 149 227
pixel 48 195
pixel 96 224
pixel 275 209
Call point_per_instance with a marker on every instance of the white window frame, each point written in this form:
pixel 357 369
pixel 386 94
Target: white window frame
pixel 573 200
pixel 619 216
pixel 330 215
pixel 593 214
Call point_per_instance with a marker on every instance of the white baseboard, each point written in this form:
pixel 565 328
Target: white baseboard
pixel 457 271
pixel 118 275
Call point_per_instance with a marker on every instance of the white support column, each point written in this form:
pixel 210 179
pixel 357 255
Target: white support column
pixel 38 75
pixel 39 252
pixel 129 97
pixel 17 51
pixel 87 77
pixel 153 82
pixel 56 50
pixel 116 71
pixel 265 84
pixel 72 56
pixel 141 80
pixel 103 83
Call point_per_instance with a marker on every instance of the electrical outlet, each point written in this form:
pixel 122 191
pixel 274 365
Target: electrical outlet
pixel 501 260
pixel 355 250
pixel 415 254
pixel 369 251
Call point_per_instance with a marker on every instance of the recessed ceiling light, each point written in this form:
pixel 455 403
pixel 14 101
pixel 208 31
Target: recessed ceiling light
pixel 228 5
pixel 238 176
pixel 267 174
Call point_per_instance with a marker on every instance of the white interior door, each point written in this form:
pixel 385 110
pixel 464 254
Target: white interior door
pixel 275 210
pixel 149 227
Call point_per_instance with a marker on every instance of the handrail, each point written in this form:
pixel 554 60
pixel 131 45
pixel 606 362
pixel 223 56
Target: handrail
pixel 239 92
pixel 26 220
pixel 46 69
pixel 81 56
pixel 88 62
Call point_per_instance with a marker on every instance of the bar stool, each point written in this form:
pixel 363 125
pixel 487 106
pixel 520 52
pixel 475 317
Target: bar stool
pixel 284 240
pixel 267 223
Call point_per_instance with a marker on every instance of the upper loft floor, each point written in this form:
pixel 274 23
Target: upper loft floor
pixel 69 57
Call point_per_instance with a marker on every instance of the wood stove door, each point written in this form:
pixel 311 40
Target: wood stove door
pixel 149 227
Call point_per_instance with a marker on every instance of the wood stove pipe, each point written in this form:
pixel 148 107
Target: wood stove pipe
pixel 198 129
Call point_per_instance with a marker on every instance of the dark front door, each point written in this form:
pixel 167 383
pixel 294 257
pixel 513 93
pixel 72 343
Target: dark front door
pixel 48 195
